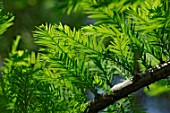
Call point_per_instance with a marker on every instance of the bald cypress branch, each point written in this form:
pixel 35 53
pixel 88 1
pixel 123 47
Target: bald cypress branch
pixel 125 88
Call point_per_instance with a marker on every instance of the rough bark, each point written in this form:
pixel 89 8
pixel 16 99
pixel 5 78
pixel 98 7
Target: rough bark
pixel 123 89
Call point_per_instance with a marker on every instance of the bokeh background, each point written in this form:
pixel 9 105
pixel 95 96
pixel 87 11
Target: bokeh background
pixel 31 13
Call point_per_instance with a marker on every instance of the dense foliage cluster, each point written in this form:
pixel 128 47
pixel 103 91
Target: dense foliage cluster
pixel 128 37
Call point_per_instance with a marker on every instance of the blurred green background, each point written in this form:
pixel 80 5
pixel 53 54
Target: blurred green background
pixel 31 13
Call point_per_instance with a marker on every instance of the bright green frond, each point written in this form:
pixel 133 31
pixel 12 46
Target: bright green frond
pixel 62 38
pixel 5 20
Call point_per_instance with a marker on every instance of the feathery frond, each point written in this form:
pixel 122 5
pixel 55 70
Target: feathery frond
pixel 5 20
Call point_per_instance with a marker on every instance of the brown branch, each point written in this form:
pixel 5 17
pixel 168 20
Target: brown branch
pixel 123 89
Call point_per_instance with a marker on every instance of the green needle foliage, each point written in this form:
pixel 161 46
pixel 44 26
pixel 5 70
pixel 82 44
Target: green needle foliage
pixel 128 37
pixel 5 20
